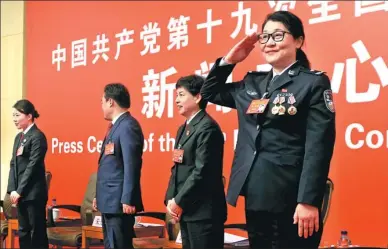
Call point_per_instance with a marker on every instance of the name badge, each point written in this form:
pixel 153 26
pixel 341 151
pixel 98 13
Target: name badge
pixel 177 156
pixel 19 152
pixel 109 148
pixel 97 222
pixel 257 106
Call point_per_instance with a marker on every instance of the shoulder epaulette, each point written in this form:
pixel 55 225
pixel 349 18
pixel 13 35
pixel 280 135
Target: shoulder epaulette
pixel 311 71
pixel 258 72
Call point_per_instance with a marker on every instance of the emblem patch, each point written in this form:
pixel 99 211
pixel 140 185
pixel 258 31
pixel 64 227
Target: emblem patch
pixel 328 97
pixel 252 93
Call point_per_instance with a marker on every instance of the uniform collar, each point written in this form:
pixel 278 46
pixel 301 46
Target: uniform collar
pixel 275 74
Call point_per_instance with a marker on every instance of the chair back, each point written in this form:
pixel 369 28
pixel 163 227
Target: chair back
pixel 327 199
pixel 7 207
pixel 9 211
pixel 48 177
pixel 87 213
pixel 172 228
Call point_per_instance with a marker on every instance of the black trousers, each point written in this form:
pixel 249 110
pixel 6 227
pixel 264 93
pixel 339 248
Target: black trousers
pixel 202 234
pixel 32 224
pixel 276 230
pixel 118 230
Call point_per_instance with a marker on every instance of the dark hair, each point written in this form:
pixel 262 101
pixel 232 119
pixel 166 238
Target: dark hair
pixel 119 93
pixel 295 26
pixel 26 107
pixel 192 83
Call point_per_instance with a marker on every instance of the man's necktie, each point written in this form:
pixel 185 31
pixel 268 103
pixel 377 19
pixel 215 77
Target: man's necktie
pixel 272 81
pixel 109 128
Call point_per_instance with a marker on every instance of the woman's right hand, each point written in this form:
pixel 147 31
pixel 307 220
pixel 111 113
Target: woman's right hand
pixel 242 49
pixel 14 197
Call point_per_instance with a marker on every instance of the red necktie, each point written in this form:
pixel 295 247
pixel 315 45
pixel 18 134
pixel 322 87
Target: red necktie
pixel 21 137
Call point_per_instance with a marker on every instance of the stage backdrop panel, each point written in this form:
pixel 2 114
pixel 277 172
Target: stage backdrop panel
pixel 75 48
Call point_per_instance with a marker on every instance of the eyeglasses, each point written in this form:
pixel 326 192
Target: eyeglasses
pixel 277 36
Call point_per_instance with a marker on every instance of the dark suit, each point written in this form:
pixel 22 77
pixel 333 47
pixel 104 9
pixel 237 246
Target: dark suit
pixel 280 160
pixel 118 181
pixel 27 178
pixel 196 183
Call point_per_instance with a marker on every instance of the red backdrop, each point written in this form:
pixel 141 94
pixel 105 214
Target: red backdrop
pixel 72 52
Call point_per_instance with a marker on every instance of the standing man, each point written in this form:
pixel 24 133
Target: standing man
pixel 195 196
pixel 118 193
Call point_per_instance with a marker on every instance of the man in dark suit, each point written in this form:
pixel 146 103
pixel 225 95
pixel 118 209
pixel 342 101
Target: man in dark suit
pixel 118 192
pixel 27 183
pixel 195 194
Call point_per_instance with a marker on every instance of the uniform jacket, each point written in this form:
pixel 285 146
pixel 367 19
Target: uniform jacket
pixel 279 160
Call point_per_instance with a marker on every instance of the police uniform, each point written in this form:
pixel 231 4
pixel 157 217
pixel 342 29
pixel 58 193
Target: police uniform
pixel 284 148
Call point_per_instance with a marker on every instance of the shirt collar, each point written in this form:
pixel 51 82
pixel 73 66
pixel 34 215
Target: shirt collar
pixel 191 118
pixel 28 128
pixel 117 117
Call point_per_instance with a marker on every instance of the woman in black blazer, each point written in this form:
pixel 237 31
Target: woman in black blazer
pixel 27 183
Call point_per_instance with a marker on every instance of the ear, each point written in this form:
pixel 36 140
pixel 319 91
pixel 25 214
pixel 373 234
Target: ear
pixel 110 102
pixel 299 42
pixel 198 98
pixel 29 116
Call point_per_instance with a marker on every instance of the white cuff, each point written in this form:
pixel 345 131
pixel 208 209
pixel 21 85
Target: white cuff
pixel 223 63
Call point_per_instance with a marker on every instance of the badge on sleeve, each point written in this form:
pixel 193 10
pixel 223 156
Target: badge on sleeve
pixel 177 156
pixel 257 106
pixel 109 148
pixel 19 152
pixel 328 97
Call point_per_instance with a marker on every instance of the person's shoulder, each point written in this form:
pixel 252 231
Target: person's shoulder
pixel 38 135
pixel 253 76
pixel 312 72
pixel 37 131
pixel 257 73
pixel 316 77
pixel 132 122
pixel 318 82
pixel 129 118
pixel 210 123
